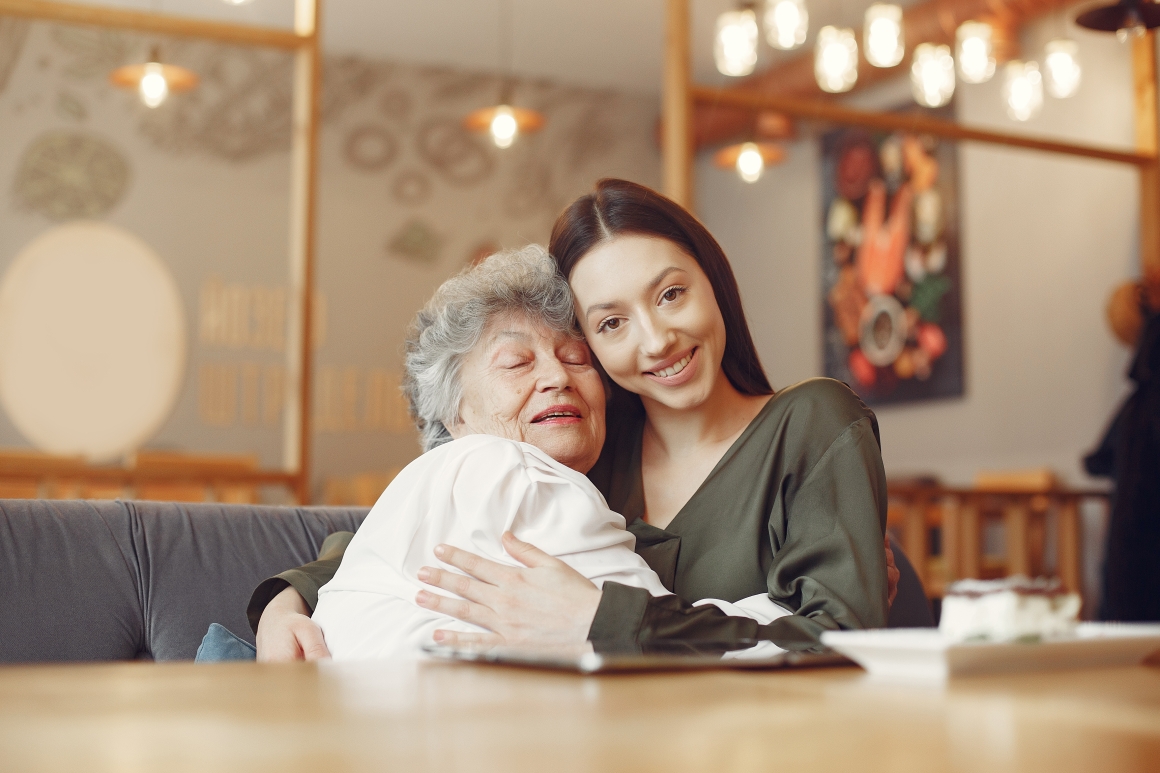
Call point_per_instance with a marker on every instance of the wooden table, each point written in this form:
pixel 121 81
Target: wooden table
pixel 248 717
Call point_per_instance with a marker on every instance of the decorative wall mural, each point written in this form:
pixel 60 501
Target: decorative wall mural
pixel 370 148
pixel 893 320
pixel 70 106
pixel 459 156
pixel 416 241
pixel 240 110
pixel 69 174
pixel 91 52
pixel 411 187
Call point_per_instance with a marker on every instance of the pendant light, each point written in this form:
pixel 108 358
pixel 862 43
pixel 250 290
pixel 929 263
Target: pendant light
pixel 505 122
pixel 749 159
pixel 787 23
pixel 932 75
pixel 836 59
pixel 1061 68
pixel 1128 18
pixel 1023 90
pixel 735 46
pixel 976 50
pixel 154 81
pixel 882 35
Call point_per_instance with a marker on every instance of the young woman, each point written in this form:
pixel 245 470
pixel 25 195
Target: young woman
pixel 730 490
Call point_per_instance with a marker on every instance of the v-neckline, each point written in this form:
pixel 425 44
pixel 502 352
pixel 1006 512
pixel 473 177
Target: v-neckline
pixel 638 458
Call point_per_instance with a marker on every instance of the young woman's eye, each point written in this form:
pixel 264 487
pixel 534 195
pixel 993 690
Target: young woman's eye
pixel 672 294
pixel 612 323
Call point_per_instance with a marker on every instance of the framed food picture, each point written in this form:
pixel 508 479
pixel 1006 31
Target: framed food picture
pixel 892 288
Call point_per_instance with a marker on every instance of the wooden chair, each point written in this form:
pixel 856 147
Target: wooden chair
pixel 1028 506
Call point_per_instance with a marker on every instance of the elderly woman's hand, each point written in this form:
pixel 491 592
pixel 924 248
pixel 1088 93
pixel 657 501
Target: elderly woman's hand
pixel 286 633
pixel 549 602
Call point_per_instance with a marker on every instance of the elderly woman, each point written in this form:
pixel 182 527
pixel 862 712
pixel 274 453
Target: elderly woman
pixel 511 412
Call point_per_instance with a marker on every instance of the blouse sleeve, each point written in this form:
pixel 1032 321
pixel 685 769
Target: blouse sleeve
pixel 307 580
pixel 829 568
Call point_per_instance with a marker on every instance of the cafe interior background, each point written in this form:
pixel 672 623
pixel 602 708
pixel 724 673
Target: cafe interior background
pixel 174 371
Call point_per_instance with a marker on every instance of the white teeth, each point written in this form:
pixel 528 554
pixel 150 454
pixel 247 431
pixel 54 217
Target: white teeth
pixel 675 369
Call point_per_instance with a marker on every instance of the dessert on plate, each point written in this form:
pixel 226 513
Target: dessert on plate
pixel 1011 609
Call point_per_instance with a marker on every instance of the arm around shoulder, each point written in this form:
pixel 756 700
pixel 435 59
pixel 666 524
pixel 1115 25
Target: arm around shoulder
pixel 305 580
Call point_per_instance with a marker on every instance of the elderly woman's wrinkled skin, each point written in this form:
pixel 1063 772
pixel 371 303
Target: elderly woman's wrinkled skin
pixel 524 382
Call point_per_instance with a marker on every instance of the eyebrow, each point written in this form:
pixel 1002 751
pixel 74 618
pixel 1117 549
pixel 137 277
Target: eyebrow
pixel 648 288
pixel 513 334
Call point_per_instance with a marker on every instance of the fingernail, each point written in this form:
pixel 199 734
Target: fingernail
pixel 422 597
pixel 438 636
pixel 425 574
pixel 440 550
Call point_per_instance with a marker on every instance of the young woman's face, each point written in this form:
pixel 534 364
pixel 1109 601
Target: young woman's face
pixel 651 318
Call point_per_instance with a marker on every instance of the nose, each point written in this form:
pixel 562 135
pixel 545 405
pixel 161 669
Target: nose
pixel 553 375
pixel 655 336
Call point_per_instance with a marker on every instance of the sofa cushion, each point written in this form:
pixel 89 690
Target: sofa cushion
pixel 68 588
pixel 200 562
pixel 121 580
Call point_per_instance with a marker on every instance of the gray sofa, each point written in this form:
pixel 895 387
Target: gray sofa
pixel 84 581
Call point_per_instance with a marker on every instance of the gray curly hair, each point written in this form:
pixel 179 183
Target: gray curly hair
pixel 452 322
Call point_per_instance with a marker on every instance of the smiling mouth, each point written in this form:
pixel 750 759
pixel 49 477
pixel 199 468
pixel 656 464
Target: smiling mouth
pixel 557 413
pixel 675 368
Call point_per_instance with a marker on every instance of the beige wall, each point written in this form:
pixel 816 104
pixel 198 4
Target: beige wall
pixel 1045 239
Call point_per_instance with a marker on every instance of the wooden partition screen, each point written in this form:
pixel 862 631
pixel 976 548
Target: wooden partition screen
pixel 38 472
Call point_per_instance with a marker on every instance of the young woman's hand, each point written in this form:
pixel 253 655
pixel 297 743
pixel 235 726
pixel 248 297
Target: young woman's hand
pixel 286 633
pixel 549 602
pixel 892 574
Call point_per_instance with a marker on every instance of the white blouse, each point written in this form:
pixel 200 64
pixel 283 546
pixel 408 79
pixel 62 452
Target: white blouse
pixel 467 493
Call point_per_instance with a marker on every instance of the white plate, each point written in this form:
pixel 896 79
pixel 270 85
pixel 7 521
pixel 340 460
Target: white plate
pixel 922 654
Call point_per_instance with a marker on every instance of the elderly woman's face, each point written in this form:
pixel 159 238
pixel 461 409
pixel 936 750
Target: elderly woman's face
pixel 526 382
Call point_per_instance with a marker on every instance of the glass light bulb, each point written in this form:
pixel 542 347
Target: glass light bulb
pixel 735 49
pixel 153 88
pixel 1023 90
pixel 1133 27
pixel 787 22
pixel 1061 68
pixel 503 127
pixel 976 52
pixel 750 163
pixel 932 75
pixel 882 35
pixel 836 59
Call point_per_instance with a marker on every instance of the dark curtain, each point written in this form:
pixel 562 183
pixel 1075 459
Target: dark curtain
pixel 1130 455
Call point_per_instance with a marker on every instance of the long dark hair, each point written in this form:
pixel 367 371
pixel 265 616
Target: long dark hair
pixel 620 207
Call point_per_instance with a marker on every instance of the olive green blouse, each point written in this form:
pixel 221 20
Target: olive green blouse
pixel 796 508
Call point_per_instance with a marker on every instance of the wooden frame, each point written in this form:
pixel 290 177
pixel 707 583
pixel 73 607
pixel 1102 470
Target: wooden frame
pixel 910 122
pixel 305 41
